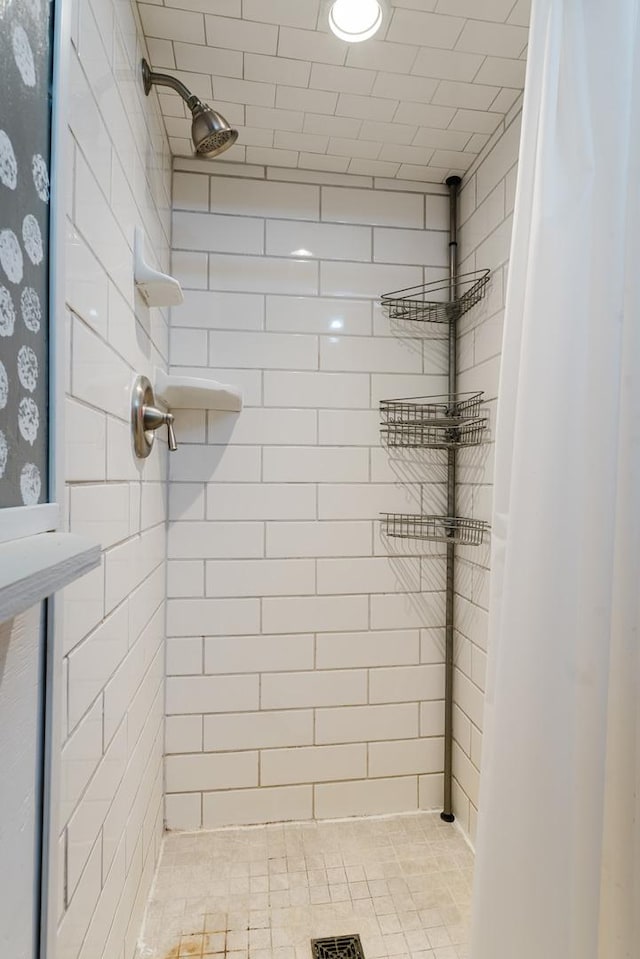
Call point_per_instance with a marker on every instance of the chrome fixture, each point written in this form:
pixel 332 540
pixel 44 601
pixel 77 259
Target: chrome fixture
pixel 146 418
pixel 356 20
pixel 210 132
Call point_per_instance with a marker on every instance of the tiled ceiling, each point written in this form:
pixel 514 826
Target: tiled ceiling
pixel 418 102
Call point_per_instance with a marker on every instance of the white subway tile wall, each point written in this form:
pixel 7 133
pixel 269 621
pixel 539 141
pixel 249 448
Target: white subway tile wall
pixel 486 208
pixel 303 649
pixel 114 621
pixel 399 106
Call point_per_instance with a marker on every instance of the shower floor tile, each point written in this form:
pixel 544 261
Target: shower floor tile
pixel 402 883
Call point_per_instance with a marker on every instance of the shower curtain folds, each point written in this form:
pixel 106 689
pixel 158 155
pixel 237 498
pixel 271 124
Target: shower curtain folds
pixel 558 864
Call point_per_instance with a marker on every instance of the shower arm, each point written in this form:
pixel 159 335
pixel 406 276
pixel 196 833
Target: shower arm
pixel 150 79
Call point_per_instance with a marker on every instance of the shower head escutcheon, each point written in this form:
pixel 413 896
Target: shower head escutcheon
pixel 210 132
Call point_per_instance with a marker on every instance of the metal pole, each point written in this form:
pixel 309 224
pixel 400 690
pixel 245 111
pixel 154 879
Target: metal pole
pixel 453 182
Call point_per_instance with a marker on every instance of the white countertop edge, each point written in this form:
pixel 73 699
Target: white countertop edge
pixel 37 566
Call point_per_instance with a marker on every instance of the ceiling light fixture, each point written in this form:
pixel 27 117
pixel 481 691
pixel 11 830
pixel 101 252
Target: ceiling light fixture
pixel 355 20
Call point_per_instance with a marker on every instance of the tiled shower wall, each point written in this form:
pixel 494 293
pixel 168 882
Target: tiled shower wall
pixel 111 791
pixel 304 652
pixel 486 213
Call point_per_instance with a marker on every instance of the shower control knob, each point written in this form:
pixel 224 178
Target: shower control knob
pixel 146 418
pixel 153 419
pixel 171 436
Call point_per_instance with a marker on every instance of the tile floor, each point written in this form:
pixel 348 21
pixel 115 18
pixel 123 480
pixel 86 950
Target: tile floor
pixel 403 883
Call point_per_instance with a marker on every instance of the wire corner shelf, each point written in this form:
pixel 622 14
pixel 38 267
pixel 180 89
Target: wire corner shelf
pixel 458 530
pixel 452 421
pixel 429 302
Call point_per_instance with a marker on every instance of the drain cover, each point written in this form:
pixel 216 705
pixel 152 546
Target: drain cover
pixel 337 947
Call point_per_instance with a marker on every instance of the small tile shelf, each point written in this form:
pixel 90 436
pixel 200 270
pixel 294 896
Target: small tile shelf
pixel 430 303
pixel 156 288
pixel 437 529
pixel 433 422
pixel 196 393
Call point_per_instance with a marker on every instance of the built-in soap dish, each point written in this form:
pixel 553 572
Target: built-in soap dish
pixel 196 393
pixel 156 288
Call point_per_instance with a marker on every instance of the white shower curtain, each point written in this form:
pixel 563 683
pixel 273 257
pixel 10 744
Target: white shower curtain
pixel 558 864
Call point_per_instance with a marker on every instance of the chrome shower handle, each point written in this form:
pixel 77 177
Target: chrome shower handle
pixel 146 418
pixel 153 419
pixel 171 436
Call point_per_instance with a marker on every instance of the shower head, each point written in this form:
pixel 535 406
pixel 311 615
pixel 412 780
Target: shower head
pixel 210 132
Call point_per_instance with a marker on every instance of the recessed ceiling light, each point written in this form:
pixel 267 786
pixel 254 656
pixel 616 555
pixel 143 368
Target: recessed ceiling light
pixel 355 20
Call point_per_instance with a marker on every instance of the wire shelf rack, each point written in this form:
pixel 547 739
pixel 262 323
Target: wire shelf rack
pixel 433 422
pixel 424 304
pixel 439 529
pixel 442 410
pixel 425 436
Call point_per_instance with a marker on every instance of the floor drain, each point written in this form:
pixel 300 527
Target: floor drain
pixel 337 947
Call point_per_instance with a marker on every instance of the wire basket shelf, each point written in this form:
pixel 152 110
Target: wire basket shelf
pixel 433 422
pixel 424 303
pixel 440 529
pixel 424 436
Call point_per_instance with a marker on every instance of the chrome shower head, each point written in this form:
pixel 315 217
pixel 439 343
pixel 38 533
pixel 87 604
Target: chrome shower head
pixel 210 132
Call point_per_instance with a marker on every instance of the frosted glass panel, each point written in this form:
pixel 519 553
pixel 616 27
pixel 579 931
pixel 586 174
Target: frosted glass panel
pixel 25 135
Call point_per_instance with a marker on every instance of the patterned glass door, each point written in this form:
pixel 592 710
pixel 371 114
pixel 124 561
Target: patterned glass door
pixel 25 147
pixel 26 28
